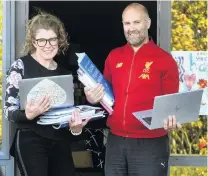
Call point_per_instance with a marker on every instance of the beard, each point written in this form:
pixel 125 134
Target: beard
pixel 135 38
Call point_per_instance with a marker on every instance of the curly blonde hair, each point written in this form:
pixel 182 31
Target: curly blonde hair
pixel 48 22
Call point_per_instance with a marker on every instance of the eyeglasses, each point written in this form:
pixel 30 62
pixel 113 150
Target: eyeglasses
pixel 42 42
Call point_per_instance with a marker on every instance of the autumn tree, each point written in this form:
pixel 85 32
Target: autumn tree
pixel 189 26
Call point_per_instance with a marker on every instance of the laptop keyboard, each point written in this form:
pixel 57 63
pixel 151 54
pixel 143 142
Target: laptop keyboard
pixel 147 119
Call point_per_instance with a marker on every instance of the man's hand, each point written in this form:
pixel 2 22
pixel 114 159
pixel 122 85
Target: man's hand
pixel 171 123
pixel 34 109
pixel 94 95
pixel 76 123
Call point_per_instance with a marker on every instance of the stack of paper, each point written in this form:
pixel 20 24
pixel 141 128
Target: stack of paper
pixel 60 117
pixel 89 75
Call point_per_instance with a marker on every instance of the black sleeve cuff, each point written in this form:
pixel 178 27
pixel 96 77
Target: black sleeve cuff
pixel 19 116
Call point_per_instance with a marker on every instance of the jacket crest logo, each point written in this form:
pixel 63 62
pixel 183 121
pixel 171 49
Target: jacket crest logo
pixel 146 71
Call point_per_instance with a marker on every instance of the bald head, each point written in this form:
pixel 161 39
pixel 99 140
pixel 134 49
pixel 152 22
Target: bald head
pixel 139 7
pixel 136 23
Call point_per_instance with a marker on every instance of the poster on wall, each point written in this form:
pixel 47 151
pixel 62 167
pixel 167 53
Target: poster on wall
pixel 193 73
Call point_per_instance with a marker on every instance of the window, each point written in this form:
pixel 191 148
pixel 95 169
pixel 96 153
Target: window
pixel 189 48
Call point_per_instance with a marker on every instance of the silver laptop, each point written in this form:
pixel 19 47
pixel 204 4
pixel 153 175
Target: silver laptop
pixel 185 106
pixel 60 89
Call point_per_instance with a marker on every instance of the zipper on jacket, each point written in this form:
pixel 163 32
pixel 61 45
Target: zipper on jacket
pixel 124 117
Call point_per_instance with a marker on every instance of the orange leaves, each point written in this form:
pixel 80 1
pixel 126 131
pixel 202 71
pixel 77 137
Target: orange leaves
pixel 202 83
pixel 203 142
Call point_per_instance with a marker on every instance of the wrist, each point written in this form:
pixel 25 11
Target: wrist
pixel 75 133
pixel 29 117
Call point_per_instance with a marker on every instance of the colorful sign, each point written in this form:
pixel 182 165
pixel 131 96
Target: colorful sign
pixel 193 73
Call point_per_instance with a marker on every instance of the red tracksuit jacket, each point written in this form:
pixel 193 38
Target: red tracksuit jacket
pixel 136 79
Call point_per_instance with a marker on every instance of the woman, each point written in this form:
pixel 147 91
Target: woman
pixel 40 150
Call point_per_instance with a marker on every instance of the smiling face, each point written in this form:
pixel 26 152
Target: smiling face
pixel 46 44
pixel 135 24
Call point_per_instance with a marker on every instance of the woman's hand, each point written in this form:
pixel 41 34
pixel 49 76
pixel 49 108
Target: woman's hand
pixel 34 109
pixel 76 123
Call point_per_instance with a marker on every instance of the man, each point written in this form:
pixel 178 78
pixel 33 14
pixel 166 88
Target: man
pixel 138 71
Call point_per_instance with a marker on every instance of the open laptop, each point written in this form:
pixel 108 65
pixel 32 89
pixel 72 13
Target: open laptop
pixel 60 89
pixel 185 106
